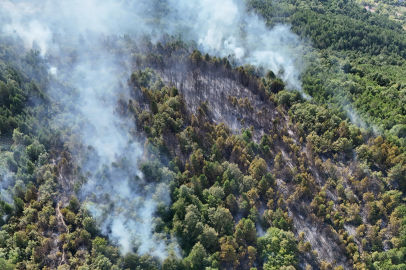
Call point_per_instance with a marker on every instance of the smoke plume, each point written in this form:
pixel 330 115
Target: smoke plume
pixel 72 36
pixel 225 29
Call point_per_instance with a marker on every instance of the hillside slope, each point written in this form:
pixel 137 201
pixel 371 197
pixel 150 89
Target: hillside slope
pixel 122 153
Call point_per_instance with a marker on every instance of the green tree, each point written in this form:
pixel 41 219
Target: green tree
pixel 18 206
pixel 246 231
pixel 154 107
pixel 6 265
pixel 221 220
pixel 130 261
pixel 258 168
pixel 209 238
pixel 74 205
pixel 278 248
pixel 172 262
pixel 196 258
pixel 90 225
pixel 102 263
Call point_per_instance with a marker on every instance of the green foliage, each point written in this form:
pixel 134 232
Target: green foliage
pixel 6 265
pixel 74 205
pixel 278 248
pixel 90 225
pixel 222 183
pixel 154 107
pixel 18 206
pixel 196 258
pixel 245 231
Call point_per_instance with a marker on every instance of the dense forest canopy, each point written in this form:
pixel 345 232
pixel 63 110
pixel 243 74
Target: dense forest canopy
pixel 359 59
pixel 202 135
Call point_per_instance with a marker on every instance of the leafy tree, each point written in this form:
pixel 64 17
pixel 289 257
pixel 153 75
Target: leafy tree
pixel 209 239
pixel 258 168
pixel 131 261
pixel 245 231
pixel 89 225
pixel 18 206
pixel 102 263
pixel 278 248
pixel 221 220
pixel 172 262
pixel 6 265
pixel 196 258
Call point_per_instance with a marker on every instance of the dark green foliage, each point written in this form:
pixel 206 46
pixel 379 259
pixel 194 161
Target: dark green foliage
pixel 174 92
pixel 154 107
pixel 196 258
pixel 90 226
pixel 172 262
pixel 131 261
pixel 74 205
pixel 277 85
pixel 18 206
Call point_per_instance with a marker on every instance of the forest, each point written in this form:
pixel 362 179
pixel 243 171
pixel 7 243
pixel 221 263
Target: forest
pixel 151 151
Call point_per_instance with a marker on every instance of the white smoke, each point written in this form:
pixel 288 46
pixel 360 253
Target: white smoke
pixel 221 28
pixel 58 28
pixel 129 216
pixel 53 71
pixel 124 208
pixel 224 29
pixel 7 180
pixel 31 31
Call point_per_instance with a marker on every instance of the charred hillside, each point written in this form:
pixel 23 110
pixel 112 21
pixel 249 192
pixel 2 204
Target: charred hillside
pixel 240 101
pixel 222 116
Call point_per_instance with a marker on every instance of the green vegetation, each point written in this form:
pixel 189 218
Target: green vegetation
pixel 277 182
pixel 358 63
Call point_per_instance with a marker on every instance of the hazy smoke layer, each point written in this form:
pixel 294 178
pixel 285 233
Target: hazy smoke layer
pixel 117 194
pixel 6 182
pixel 223 28
pixel 71 35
